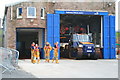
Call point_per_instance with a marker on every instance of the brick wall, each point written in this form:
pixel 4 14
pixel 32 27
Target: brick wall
pixel 82 6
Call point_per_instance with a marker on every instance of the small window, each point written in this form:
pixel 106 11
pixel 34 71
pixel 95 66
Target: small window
pixel 31 12
pixel 19 12
pixel 43 13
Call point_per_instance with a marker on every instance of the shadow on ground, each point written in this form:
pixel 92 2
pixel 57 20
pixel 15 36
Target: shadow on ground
pixel 19 73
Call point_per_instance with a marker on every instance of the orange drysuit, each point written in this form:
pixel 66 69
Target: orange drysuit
pixel 36 55
pixel 55 57
pixel 47 49
pixel 32 51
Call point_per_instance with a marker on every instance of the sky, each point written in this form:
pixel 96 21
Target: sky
pixel 5 2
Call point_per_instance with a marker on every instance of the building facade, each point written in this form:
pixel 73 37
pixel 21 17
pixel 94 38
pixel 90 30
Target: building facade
pixel 26 22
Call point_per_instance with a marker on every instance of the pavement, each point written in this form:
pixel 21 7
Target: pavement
pixel 66 69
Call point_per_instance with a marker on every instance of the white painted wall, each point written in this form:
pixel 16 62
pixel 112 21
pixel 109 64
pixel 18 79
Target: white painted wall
pixel 40 37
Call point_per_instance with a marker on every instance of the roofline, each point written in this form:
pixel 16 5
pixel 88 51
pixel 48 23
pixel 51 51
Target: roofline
pixel 15 3
pixel 81 10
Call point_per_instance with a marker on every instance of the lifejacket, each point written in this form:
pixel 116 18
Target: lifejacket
pixel 37 48
pixel 56 46
pixel 47 47
pixel 32 46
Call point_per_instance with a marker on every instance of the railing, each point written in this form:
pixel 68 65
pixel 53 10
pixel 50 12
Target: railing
pixel 9 59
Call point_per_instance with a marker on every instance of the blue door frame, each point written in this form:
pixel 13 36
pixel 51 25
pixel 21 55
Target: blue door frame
pixel 53 32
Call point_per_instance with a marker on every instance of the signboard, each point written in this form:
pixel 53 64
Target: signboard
pixel 81 12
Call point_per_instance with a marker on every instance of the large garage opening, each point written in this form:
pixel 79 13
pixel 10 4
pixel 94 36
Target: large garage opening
pixel 24 39
pixel 79 24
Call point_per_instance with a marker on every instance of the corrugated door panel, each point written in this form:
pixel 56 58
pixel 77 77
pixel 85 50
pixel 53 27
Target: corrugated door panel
pixel 57 30
pixel 106 47
pixel 112 37
pixel 50 31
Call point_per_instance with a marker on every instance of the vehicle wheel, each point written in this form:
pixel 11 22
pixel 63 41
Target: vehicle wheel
pixel 79 56
pixel 96 56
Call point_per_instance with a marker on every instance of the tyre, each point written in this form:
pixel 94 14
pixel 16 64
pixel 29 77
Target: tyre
pixel 79 56
pixel 96 56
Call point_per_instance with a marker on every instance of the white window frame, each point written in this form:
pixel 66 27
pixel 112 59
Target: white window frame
pixel 42 13
pixel 18 13
pixel 31 16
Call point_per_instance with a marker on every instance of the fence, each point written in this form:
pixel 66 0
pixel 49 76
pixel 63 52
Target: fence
pixel 9 59
pixel 1 37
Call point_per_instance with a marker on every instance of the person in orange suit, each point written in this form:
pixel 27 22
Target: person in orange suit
pixel 55 48
pixel 47 49
pixel 32 51
pixel 36 54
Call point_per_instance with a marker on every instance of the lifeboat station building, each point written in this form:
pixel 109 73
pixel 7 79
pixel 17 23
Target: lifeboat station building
pixel 40 22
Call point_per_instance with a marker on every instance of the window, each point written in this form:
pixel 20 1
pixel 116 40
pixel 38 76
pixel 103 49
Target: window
pixel 43 13
pixel 31 12
pixel 19 12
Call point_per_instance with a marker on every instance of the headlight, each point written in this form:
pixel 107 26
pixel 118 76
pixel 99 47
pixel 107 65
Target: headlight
pixel 80 45
pixel 97 46
pixel 89 47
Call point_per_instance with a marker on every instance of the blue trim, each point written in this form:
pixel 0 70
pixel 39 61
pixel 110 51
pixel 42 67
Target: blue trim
pixel 81 12
pixel 29 28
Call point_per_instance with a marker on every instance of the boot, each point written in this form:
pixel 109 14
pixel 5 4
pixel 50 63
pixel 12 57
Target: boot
pixel 31 60
pixel 38 61
pixel 34 61
pixel 45 60
pixel 48 60
pixel 57 61
pixel 52 60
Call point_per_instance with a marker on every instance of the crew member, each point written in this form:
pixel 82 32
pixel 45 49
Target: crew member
pixel 36 54
pixel 32 51
pixel 56 48
pixel 47 49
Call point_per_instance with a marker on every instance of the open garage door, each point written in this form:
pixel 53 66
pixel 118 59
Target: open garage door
pixel 99 24
pixel 24 39
pixel 71 24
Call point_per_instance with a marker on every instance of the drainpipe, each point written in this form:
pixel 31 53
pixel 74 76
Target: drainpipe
pixel 11 13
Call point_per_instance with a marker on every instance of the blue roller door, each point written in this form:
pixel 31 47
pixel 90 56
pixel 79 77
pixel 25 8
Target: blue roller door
pixel 112 37
pixel 106 43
